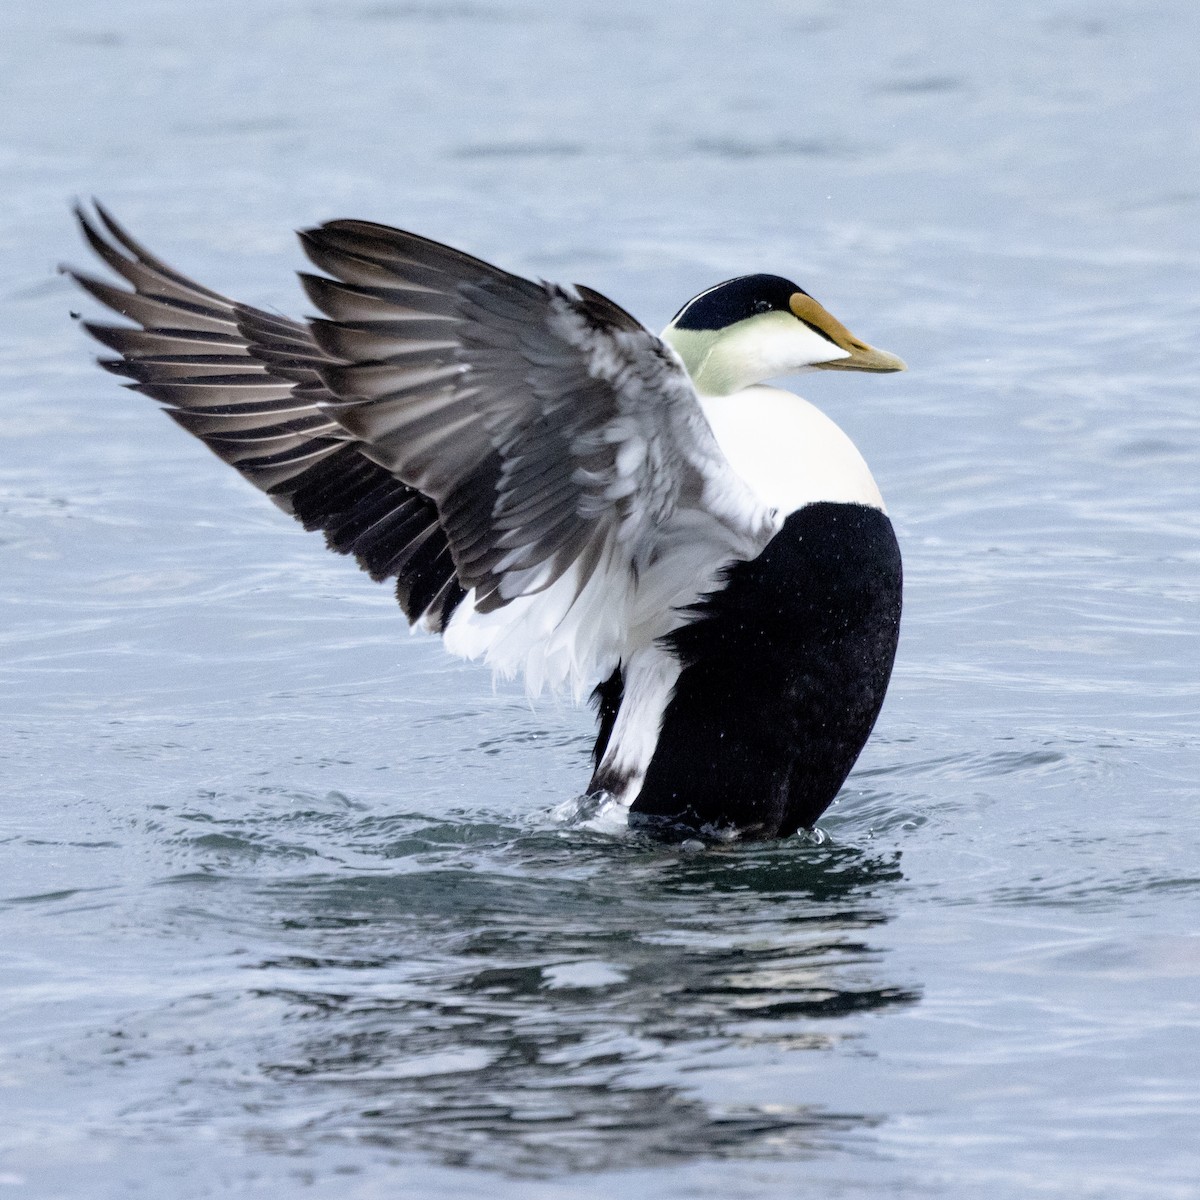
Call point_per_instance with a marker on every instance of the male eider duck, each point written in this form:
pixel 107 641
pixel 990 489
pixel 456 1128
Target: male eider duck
pixel 566 496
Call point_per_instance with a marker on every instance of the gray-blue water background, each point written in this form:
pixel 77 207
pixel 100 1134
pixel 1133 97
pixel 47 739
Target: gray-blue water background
pixel 286 906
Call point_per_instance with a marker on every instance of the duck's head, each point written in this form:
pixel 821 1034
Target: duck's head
pixel 759 327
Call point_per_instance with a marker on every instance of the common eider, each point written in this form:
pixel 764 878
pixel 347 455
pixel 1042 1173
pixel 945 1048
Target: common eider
pixel 564 495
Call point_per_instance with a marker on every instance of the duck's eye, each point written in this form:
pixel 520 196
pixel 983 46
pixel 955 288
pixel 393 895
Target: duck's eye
pixel 762 306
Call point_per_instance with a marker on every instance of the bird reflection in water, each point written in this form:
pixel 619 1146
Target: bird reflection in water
pixel 566 1003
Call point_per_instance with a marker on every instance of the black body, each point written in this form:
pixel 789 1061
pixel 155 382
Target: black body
pixel 785 671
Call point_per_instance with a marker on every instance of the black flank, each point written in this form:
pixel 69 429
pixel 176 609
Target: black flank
pixel 784 673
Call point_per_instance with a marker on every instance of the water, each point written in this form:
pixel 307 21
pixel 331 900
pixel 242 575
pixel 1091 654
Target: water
pixel 289 905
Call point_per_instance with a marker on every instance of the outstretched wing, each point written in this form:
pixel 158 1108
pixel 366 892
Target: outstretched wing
pixel 527 448
pixel 561 440
pixel 247 384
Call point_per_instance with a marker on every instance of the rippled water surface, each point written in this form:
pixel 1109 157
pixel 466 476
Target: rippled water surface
pixel 293 904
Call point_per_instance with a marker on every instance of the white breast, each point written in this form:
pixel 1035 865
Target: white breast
pixel 789 451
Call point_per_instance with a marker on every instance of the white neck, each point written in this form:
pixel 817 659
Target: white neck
pixel 789 451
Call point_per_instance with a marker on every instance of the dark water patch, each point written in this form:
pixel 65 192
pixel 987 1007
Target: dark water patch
pixel 1078 25
pixel 46 897
pixel 527 737
pixel 923 85
pixel 105 845
pixel 285 824
pixel 532 149
pixel 977 764
pixel 225 848
pixel 237 127
pixel 1099 890
pixel 1150 450
pixel 188 878
pixel 737 148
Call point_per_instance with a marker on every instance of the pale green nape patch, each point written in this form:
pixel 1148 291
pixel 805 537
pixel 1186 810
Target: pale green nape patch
pixel 693 346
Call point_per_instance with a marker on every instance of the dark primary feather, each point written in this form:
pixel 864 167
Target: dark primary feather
pixel 248 384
